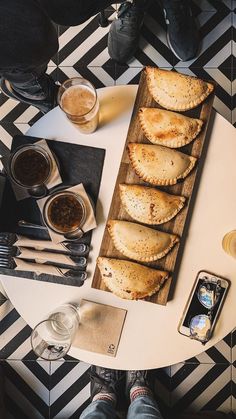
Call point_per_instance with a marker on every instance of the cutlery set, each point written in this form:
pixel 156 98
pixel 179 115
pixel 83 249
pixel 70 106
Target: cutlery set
pixel 67 259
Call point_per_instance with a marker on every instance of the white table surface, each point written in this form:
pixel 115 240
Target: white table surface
pixel 150 338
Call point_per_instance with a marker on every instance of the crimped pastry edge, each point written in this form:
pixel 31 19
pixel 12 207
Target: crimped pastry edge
pixel 133 255
pixel 182 201
pixel 133 296
pixel 167 143
pixel 160 182
pixel 193 104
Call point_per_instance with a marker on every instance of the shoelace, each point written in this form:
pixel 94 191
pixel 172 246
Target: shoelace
pixel 139 375
pixel 130 17
pixel 106 379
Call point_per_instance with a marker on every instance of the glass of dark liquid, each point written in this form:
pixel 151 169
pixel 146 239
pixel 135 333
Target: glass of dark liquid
pixel 65 213
pixel 30 167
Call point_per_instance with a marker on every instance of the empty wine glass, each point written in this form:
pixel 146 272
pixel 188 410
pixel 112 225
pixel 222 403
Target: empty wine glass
pixel 52 338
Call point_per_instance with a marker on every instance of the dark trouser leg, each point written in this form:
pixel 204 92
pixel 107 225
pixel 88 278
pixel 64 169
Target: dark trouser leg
pixel 73 12
pixel 28 38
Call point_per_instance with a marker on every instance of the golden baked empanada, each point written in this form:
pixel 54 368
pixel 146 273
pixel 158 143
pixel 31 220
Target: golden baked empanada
pixel 150 205
pixel 168 128
pixel 130 280
pixel 138 242
pixel 176 91
pixel 159 165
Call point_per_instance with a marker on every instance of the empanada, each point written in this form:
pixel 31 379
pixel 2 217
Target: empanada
pixel 138 242
pixel 176 91
pixel 130 280
pixel 159 165
pixel 168 128
pixel 150 205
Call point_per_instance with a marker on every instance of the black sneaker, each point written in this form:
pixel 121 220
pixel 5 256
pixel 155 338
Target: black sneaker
pixel 182 33
pixel 105 380
pixel 138 378
pixel 124 31
pixel 42 94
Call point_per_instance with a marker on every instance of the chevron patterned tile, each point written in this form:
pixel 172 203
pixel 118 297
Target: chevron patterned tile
pixel 234 347
pixel 223 99
pixel 3 295
pixel 216 35
pixel 234 371
pixel 162 389
pixel 221 353
pixel 234 70
pixel 26 389
pixel 85 44
pixel 212 5
pixel 99 76
pixel 8 130
pixel 201 387
pixel 13 111
pixel 15 334
pixel 69 389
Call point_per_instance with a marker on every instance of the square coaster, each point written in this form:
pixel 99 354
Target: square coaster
pixel 100 328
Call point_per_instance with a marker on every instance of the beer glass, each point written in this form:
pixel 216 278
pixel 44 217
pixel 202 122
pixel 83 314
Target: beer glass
pixel 77 97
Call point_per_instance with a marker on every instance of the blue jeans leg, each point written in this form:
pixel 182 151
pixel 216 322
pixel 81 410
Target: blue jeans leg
pixel 144 407
pixel 100 409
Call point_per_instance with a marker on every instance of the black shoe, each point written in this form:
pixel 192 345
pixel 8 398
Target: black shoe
pixel 138 378
pixel 124 31
pixel 42 94
pixel 182 33
pixel 105 380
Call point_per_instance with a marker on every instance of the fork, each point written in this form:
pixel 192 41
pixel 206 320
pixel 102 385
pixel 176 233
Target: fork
pixel 73 262
pixel 7 262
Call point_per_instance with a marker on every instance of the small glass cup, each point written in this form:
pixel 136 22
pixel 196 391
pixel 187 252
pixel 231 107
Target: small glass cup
pixel 65 213
pixel 52 338
pixel 30 166
pixel 77 97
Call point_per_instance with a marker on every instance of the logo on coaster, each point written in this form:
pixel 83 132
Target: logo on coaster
pixel 111 349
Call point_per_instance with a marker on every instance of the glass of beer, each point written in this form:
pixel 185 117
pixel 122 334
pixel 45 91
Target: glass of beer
pixel 229 243
pixel 77 97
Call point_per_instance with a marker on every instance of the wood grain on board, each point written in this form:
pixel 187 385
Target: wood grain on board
pixel 127 175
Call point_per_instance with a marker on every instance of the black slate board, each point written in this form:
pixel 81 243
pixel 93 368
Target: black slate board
pixel 78 164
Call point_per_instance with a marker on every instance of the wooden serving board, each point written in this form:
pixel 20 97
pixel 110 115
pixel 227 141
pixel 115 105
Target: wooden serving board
pixel 127 175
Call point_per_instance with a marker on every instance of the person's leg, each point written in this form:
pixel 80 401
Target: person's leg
pixel 138 391
pixel 182 33
pixel 99 409
pixel 28 40
pixel 73 12
pixel 105 385
pixel 144 407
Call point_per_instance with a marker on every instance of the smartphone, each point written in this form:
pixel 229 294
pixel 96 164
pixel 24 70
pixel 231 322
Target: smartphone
pixel 194 306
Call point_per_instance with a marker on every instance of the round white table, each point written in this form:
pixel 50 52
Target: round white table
pixel 150 338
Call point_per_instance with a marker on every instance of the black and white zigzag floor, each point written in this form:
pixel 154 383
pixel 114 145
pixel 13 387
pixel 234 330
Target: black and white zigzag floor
pixel 36 389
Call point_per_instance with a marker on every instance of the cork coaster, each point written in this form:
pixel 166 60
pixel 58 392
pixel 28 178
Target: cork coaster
pixel 100 328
